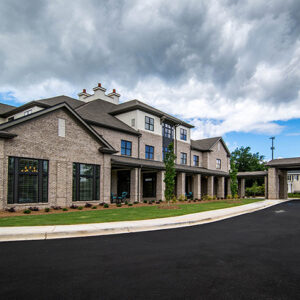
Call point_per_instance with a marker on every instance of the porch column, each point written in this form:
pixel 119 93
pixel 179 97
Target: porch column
pixel 221 187
pixel 180 184
pixel 160 185
pixel 197 186
pixel 283 185
pixel 266 187
pixel 241 187
pixel 273 184
pixel 135 184
pixel 210 185
pixel 228 186
pixel 106 180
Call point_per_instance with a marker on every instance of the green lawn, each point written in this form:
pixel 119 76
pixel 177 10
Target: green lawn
pixel 113 215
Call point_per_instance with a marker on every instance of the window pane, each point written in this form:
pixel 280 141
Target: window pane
pixel 28 189
pixel 28 165
pixel 45 189
pixel 10 188
pixel 45 166
pixel 86 189
pixel 86 170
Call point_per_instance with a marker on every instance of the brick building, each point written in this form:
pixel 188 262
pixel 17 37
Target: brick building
pixel 61 150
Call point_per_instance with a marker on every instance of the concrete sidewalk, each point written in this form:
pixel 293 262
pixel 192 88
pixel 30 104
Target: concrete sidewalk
pixel 82 230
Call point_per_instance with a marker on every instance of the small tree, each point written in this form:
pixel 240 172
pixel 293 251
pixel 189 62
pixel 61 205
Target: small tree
pixel 233 178
pixel 170 174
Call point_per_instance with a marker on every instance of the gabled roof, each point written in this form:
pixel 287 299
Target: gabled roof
pixel 97 112
pixel 289 163
pixel 107 148
pixel 4 108
pixel 136 104
pixel 208 144
pixel 44 103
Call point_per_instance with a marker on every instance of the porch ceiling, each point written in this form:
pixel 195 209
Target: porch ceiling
pixel 122 161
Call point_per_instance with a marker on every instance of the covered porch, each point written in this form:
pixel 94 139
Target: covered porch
pixel 138 180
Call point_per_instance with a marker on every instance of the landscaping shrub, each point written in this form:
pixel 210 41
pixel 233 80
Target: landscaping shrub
pixel 236 196
pixel 294 195
pixel 229 196
pixel 119 204
pixel 88 205
pixel 80 207
pixel 130 204
pixel 11 209
pixel 145 201
pixel 27 211
pixel 136 202
pixel 34 208
pixel 56 207
pixel 126 202
pixel 174 199
pixel 47 209
pixel 181 198
pixel 150 202
pixel 65 209
pixel 94 207
pixel 255 190
pixel 73 206
pixel 160 200
pixel 105 205
pixel 157 202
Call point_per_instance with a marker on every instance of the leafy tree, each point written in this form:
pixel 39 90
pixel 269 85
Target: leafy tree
pixel 233 178
pixel 170 173
pixel 245 161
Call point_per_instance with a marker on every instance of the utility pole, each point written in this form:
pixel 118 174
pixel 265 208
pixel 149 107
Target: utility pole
pixel 272 148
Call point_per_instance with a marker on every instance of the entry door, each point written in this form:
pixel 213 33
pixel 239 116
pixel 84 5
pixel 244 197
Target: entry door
pixel 149 185
pixel 124 182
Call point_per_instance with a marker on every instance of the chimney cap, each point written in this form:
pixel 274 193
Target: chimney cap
pixel 84 91
pixel 99 84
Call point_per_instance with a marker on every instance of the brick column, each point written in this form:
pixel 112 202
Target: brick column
pixel 266 187
pixel 135 185
pixel 283 185
pixel 180 184
pixel 106 181
pixel 273 184
pixel 210 185
pixel 241 187
pixel 160 185
pixel 197 186
pixel 221 187
pixel 228 186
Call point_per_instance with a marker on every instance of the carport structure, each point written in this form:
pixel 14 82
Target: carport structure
pixel 242 176
pixel 275 177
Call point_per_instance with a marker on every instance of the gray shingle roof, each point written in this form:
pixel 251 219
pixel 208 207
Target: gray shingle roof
pixel 74 103
pixel 284 162
pixel 207 144
pixel 4 108
pixel 97 112
pixel 136 104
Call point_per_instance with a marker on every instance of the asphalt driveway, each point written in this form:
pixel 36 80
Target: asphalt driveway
pixel 253 256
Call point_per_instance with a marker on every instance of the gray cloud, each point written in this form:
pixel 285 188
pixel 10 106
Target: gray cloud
pixel 240 50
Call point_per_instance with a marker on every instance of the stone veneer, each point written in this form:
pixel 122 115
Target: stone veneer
pixel 38 138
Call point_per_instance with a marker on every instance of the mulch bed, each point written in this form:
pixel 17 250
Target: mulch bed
pixel 4 214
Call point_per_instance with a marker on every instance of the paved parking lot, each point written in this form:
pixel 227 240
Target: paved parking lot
pixel 253 256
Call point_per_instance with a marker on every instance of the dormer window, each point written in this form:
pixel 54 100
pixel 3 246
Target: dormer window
pixel 149 123
pixel 27 112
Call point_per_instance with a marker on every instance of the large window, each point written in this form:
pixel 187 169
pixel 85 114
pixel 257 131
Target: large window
pixel 149 123
pixel 183 157
pixel 183 134
pixel 165 150
pixel 86 182
pixel 126 148
pixel 196 160
pixel 167 130
pixel 27 180
pixel 149 152
pixel 218 163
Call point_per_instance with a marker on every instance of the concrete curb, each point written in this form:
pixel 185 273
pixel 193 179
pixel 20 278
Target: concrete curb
pixel 95 229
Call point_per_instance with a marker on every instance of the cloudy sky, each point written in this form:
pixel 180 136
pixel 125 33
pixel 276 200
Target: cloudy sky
pixel 231 68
